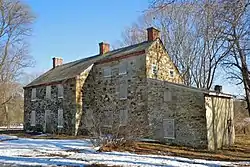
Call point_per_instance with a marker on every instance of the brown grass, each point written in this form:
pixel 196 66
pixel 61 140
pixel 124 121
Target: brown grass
pixel 239 152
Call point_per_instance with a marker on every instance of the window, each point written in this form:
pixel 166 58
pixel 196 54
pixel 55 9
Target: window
pixel 123 68
pixel 60 90
pixel 33 94
pixel 167 95
pixel 171 73
pixel 107 118
pixel 89 118
pixel 154 69
pixel 48 92
pixel 123 90
pixel 168 127
pixel 107 72
pixel 123 117
pixel 60 118
pixel 33 118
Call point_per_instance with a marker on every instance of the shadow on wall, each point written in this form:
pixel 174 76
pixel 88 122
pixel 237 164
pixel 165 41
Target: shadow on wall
pixel 219 113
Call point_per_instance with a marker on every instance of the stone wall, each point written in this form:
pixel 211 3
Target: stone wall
pixel 157 55
pixel 219 114
pixel 185 105
pixel 101 95
pixel 67 103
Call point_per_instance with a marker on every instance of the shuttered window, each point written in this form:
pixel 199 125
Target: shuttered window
pixel 60 118
pixel 60 90
pixel 33 118
pixel 123 117
pixel 33 94
pixel 123 90
pixel 168 127
pixel 123 68
pixel 48 92
pixel 89 118
pixel 107 72
pixel 107 118
pixel 167 95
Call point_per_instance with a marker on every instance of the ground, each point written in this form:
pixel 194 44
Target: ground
pixel 80 152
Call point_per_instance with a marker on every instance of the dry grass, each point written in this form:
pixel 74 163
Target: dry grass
pixel 239 152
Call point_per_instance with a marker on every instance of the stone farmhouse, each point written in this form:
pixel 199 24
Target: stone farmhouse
pixel 136 90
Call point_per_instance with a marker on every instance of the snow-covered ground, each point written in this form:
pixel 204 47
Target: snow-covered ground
pixel 23 151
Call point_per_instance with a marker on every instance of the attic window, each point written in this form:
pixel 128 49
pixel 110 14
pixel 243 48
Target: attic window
pixel 168 127
pixel 60 90
pixel 154 69
pixel 123 68
pixel 171 73
pixel 33 94
pixel 107 72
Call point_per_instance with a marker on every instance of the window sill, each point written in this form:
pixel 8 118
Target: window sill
pixel 32 125
pixel 34 100
pixel 59 126
pixel 123 98
pixel 107 126
pixel 107 76
pixel 169 137
pixel 122 73
pixel 60 97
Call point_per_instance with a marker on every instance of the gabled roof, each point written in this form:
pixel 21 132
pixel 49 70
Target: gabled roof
pixel 72 69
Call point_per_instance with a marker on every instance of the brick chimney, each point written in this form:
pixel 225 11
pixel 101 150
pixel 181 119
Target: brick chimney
pixel 57 61
pixel 153 34
pixel 103 47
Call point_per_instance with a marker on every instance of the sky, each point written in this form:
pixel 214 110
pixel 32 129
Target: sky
pixel 73 29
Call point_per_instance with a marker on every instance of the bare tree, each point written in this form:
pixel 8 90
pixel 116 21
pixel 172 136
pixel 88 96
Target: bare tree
pixel 16 19
pixel 235 16
pixel 192 34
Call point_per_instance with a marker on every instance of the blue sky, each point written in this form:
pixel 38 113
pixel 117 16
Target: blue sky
pixel 73 29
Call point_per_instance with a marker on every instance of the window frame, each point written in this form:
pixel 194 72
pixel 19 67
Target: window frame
pixel 165 130
pixel 168 97
pixel 171 75
pixel 88 118
pixel 110 72
pixel 153 70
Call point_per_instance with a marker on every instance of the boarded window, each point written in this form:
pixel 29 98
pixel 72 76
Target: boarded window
pixel 167 95
pixel 48 92
pixel 123 89
pixel 107 72
pixel 168 127
pixel 89 118
pixel 154 69
pixel 171 73
pixel 33 94
pixel 107 118
pixel 33 118
pixel 60 118
pixel 123 117
pixel 123 68
pixel 60 90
